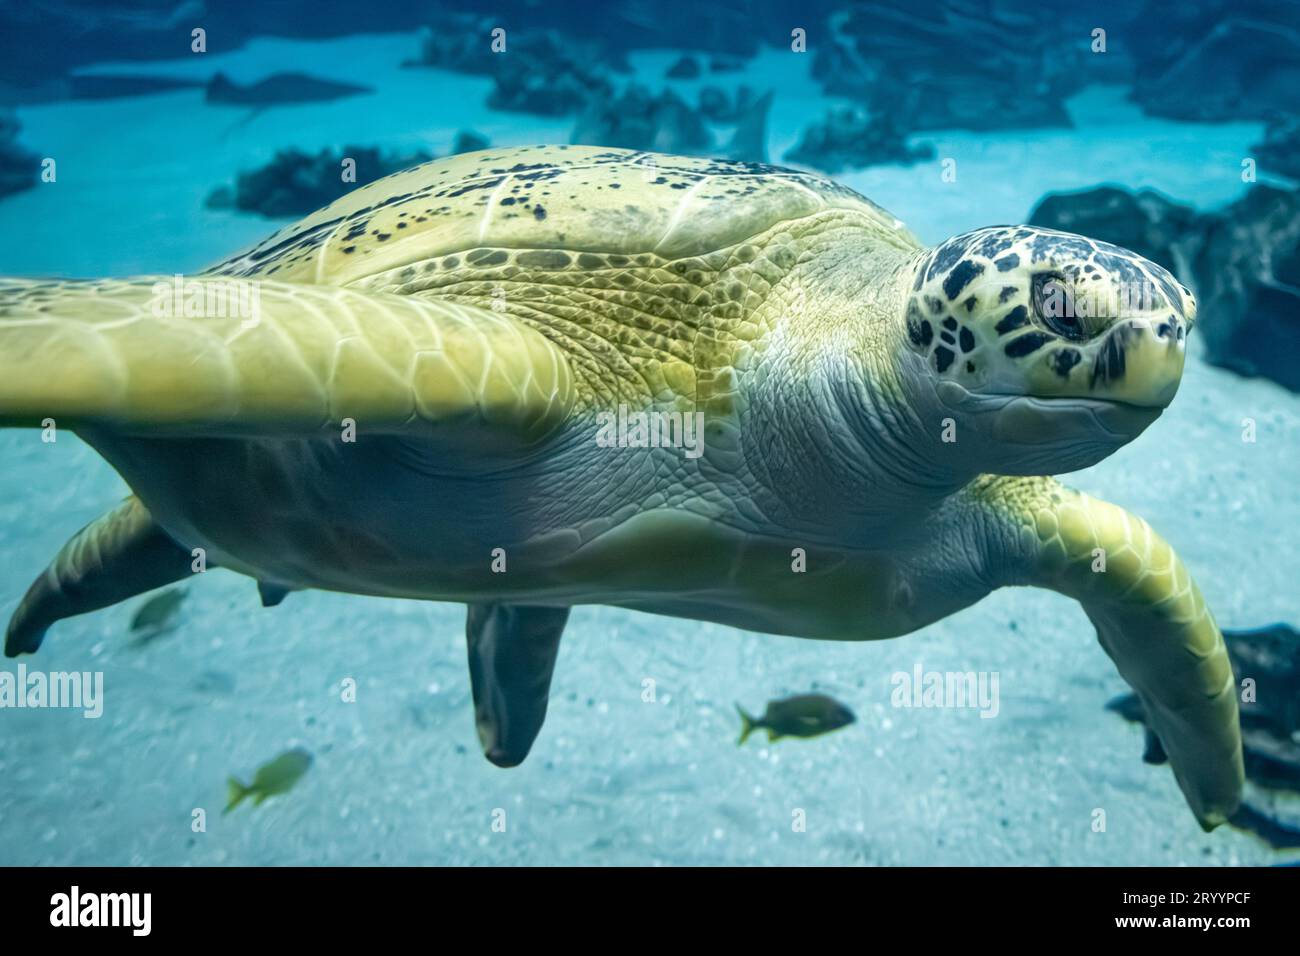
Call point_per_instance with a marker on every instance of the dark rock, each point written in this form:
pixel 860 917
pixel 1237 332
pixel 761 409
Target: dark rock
pixel 542 72
pixel 663 123
pixel 1243 263
pixel 279 89
pixel 717 106
pixel 295 183
pixel 1275 833
pixel 457 42
pixel 954 67
pixel 1221 62
pixel 553 89
pixel 1145 222
pixel 547 75
pixel 1269 656
pixel 714 103
pixel 468 141
pixel 749 141
pixel 666 123
pixel 850 139
pixel 19 168
pixel 726 64
pixel 1245 267
pixel 114 87
pixel 686 68
pixel 223 197
pixel 1270 724
pixel 1279 153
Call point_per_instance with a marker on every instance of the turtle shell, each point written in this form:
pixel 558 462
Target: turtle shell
pixel 570 198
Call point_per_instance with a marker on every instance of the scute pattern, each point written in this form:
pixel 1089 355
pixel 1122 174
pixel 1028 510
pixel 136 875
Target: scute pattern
pixel 572 198
pixel 313 357
pixel 1150 618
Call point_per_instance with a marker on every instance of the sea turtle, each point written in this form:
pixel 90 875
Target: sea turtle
pixel 472 381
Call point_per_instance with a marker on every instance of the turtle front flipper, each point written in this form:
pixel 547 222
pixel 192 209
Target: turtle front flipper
pixel 512 651
pixel 1150 618
pixel 228 357
pixel 113 558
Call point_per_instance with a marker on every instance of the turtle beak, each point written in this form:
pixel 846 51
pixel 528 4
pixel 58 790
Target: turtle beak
pixel 1188 307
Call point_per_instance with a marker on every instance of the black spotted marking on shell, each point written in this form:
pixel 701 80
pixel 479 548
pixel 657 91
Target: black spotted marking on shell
pixel 970 304
pixel 948 337
pixel 943 358
pixel 1016 318
pixel 469 187
pixel 1026 344
pixel 1064 360
pixel 967 340
pixel 1007 292
pixel 487 257
pixel 446 190
pixel 961 276
pixel 927 332
pixel 950 324
pixel 935 303
pixel 543 259
pixel 1008 262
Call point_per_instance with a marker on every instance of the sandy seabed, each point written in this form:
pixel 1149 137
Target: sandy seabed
pixel 613 778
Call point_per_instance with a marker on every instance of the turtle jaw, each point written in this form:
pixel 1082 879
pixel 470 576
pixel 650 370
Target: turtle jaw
pixel 1044 435
pixel 1135 362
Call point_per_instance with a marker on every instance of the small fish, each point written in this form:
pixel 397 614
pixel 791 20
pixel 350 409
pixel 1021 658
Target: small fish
pixel 807 715
pixel 272 778
pixel 157 612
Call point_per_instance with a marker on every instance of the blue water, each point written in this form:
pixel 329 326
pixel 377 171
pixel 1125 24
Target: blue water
pixel 613 778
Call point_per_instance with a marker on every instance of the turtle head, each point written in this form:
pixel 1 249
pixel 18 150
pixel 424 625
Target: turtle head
pixel 1054 348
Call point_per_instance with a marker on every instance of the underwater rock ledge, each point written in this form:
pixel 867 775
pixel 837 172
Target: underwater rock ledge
pixel 1242 261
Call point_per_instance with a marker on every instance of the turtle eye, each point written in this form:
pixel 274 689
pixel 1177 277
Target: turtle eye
pixel 1054 305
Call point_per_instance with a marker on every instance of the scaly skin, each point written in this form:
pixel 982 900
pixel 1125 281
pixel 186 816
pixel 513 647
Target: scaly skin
pixel 856 390
pixel 1149 614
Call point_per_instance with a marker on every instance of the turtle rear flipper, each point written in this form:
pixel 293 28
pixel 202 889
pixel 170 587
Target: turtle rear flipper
pixel 113 558
pixel 1153 751
pixel 512 652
